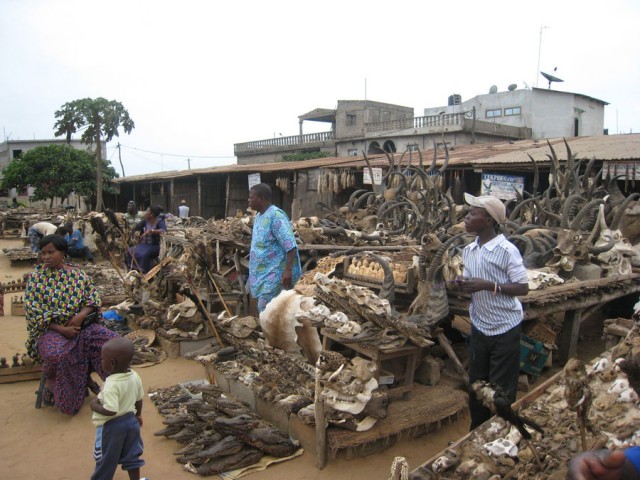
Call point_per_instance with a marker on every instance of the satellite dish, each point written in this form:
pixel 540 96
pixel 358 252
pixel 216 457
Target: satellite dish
pixel 493 89
pixel 526 85
pixel 551 78
pixel 512 87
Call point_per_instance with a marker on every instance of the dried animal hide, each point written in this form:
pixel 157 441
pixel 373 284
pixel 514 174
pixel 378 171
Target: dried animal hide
pixel 184 316
pixel 284 331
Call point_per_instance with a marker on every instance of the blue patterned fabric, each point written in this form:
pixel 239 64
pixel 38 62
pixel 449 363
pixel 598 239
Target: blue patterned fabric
pixel 271 240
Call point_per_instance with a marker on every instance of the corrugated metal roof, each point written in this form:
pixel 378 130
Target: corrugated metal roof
pixel 513 154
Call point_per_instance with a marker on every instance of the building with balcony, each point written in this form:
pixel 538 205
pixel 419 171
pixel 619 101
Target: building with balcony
pixel 358 126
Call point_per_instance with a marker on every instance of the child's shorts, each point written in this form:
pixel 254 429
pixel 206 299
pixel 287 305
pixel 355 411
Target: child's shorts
pixel 118 441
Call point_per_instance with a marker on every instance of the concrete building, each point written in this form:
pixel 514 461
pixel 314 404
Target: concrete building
pixel 547 113
pixel 358 126
pixel 11 149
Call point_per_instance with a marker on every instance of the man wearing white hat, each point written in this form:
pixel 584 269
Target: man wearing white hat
pixel 495 276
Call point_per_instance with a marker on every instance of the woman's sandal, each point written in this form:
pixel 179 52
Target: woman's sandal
pixel 47 397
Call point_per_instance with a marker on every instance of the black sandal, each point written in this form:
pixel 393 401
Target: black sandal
pixel 47 397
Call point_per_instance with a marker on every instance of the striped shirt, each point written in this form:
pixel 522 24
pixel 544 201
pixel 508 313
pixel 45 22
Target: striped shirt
pixel 496 261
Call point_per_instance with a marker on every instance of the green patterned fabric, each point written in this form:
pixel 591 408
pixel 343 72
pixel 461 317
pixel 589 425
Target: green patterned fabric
pixel 55 295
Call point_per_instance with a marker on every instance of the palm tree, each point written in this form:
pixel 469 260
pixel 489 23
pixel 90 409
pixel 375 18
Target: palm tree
pixel 100 118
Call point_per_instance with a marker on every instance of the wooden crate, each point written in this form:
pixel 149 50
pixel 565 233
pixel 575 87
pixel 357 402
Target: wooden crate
pixel 17 309
pixel 20 374
pixel 407 287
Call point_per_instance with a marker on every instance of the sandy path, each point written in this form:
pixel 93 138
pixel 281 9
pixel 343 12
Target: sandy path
pixel 45 444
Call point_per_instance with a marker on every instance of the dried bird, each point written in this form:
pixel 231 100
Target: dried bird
pixel 578 396
pixel 495 399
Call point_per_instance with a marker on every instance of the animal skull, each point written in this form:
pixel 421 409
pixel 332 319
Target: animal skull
pixel 501 446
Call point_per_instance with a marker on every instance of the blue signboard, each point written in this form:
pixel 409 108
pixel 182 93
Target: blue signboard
pixel 501 186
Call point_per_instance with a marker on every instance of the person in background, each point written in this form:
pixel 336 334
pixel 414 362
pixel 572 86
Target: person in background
pixel 274 262
pixel 14 202
pixel 37 231
pixel 77 248
pixel 606 465
pixel 132 217
pixel 495 276
pixel 57 301
pixel 142 255
pixel 117 414
pixel 183 210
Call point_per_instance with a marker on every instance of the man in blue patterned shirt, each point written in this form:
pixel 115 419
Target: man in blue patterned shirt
pixel 274 262
pixel 494 275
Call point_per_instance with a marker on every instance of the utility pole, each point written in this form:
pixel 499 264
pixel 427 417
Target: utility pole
pixel 189 163
pixel 120 158
pixel 542 27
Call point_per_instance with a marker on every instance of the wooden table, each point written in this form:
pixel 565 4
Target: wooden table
pixel 572 298
pixel 408 352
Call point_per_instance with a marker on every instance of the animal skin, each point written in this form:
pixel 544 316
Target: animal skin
pixel 282 330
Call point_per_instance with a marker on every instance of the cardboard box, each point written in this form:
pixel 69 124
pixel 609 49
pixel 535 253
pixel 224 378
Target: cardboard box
pixel 533 355
pixel 386 378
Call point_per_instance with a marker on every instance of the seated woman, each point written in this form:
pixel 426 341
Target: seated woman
pixel 58 298
pixel 76 247
pixel 141 256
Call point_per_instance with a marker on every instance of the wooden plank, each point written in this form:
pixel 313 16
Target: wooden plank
pixel 152 273
pixel 19 374
pixel 518 404
pixel 567 341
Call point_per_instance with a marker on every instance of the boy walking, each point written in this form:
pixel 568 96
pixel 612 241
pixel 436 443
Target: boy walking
pixel 118 414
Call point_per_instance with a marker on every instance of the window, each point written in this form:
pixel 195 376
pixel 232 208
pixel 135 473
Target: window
pixel 497 112
pixel 17 153
pixel 351 119
pixel 389 146
pixel 512 111
pixel 374 147
pixel 412 147
pixel 352 152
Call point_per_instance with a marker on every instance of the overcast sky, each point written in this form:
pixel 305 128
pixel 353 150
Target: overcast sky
pixel 199 76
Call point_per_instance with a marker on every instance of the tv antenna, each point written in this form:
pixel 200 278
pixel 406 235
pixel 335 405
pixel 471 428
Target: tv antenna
pixel 551 78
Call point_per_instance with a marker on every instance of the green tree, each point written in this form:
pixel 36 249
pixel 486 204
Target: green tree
pixel 296 157
pixel 55 171
pixel 100 118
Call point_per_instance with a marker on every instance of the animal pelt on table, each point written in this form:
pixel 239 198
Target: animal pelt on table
pixel 284 331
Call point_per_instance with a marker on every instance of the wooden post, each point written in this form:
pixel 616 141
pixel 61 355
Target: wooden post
pixel 199 210
pixel 568 338
pixel 321 432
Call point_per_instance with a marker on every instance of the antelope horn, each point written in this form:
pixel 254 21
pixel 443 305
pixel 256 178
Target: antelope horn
pixel 616 220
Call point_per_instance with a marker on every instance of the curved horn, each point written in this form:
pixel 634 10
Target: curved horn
pixel 567 208
pixel 352 199
pixel 446 159
pixel 584 211
pixel 437 257
pixel 435 157
pixel 616 220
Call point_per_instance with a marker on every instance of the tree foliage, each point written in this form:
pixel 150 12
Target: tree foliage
pixel 55 171
pixel 100 119
pixel 294 157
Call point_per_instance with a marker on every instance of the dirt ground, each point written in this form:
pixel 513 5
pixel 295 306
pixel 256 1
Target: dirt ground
pixel 45 444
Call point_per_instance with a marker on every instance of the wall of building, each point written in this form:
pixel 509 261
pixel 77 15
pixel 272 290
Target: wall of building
pixel 549 113
pixel 10 149
pixel 352 115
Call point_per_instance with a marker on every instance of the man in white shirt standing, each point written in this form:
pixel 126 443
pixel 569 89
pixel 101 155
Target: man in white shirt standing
pixel 183 210
pixel 495 276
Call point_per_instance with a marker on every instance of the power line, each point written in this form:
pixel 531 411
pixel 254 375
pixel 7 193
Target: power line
pixel 176 155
